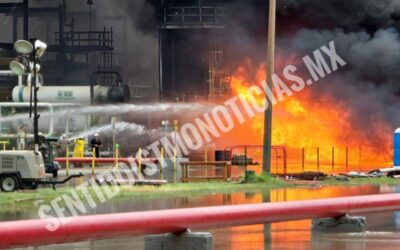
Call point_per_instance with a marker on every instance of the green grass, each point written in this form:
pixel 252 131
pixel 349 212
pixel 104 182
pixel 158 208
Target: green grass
pixel 23 200
pixel 362 181
pixel 29 199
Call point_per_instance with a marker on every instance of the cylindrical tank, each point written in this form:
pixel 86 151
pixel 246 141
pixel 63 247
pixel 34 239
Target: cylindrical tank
pixel 61 94
pixel 396 145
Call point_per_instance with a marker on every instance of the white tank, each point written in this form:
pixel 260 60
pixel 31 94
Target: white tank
pixel 61 94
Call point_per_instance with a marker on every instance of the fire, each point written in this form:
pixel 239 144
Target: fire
pixel 303 121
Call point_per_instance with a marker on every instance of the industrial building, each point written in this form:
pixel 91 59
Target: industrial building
pixel 160 50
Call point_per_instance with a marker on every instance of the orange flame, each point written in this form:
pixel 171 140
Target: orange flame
pixel 301 121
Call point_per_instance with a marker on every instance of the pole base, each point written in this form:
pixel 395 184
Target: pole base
pixel 188 240
pixel 344 224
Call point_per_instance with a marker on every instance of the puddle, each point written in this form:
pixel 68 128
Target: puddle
pixel 383 228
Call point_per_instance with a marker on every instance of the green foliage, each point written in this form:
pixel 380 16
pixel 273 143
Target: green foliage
pixel 30 199
pixel 264 178
pixel 362 181
pixel 264 182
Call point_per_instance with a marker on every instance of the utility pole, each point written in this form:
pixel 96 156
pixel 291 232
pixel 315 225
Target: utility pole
pixel 270 68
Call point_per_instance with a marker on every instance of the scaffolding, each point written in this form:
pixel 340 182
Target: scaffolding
pixel 208 17
pixel 195 17
pixel 218 80
pixel 85 42
pixel 68 44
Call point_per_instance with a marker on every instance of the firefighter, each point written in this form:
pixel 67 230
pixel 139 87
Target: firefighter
pixel 79 150
pixel 96 145
pixel 79 147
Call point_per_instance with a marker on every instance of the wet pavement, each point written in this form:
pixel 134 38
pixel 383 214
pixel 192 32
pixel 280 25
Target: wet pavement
pixel 383 228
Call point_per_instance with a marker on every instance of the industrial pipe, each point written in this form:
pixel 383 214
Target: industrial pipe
pixel 90 159
pixel 128 161
pixel 61 94
pixel 95 227
pixel 26 105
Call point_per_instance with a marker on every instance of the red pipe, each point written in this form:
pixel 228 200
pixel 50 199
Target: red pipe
pixel 90 159
pixel 94 227
pixel 104 160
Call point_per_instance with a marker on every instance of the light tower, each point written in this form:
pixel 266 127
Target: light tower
pixel 30 51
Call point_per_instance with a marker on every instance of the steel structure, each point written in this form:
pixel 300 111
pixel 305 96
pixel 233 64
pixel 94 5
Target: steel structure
pixel 187 18
pixel 94 227
pixel 68 44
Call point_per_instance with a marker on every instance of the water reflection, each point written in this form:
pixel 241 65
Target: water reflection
pixel 286 235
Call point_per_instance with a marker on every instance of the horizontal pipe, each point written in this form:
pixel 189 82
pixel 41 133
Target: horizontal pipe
pixel 104 160
pixel 90 159
pixel 7 73
pixel 40 104
pixel 230 148
pixel 26 105
pixel 106 226
pixel 13 136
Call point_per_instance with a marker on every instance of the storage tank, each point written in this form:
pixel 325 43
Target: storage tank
pixel 61 94
pixel 396 145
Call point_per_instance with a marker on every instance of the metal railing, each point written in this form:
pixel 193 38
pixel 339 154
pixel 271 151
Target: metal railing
pixel 278 159
pixel 96 39
pixel 192 16
pixel 333 160
pixel 205 171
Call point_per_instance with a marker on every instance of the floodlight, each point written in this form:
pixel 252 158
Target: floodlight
pixel 17 68
pixel 23 47
pixel 40 48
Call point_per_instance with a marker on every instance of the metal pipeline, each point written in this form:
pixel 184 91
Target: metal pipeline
pixel 49 106
pixel 27 105
pixel 87 160
pixel 105 226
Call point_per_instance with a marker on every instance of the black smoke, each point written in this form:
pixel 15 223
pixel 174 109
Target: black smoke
pixel 350 15
pixel 366 33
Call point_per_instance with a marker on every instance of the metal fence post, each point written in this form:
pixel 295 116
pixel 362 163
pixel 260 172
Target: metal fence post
pixel 333 160
pixel 347 159
pixel 162 164
pixel 67 161
pixel 140 162
pixel 93 159
pixel 318 159
pixel 117 156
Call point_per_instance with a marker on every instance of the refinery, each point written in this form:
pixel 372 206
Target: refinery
pixel 199 124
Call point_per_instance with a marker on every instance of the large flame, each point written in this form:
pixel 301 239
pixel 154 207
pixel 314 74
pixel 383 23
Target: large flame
pixel 301 121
